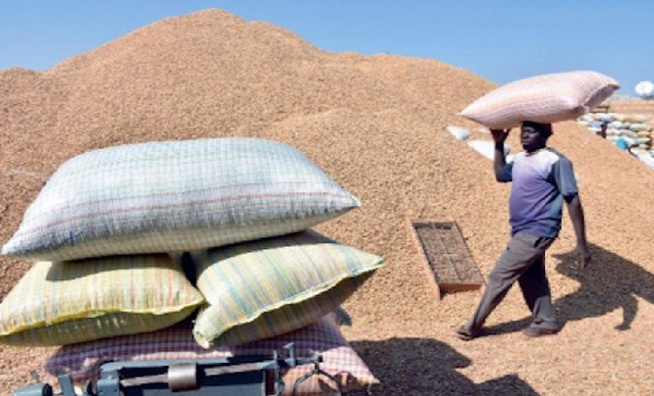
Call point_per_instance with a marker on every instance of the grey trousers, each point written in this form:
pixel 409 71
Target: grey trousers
pixel 524 261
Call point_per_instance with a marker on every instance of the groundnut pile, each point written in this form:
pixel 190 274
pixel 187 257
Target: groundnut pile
pixel 378 126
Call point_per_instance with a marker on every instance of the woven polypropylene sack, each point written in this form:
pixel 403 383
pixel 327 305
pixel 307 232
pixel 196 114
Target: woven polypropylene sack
pixel 458 132
pixel 487 148
pixel 62 303
pixel 264 288
pixel 175 196
pixel 546 99
pixel 640 127
pixel 81 361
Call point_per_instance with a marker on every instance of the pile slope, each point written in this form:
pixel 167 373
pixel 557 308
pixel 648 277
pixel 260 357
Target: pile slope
pixel 633 106
pixel 376 124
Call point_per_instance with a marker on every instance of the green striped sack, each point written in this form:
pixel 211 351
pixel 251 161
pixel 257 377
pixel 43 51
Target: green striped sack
pixel 264 288
pixel 62 303
pixel 175 196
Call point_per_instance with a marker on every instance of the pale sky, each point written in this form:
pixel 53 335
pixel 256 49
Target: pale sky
pixel 500 40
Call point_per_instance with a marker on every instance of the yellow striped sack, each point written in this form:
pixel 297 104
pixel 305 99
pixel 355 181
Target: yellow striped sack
pixel 264 288
pixel 547 98
pixel 58 303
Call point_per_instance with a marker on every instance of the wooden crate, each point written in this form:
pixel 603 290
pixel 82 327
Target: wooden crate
pixel 445 257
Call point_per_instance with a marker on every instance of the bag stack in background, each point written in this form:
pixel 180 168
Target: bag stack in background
pixel 626 131
pixel 102 228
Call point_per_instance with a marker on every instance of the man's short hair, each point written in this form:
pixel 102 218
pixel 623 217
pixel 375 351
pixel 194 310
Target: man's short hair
pixel 543 129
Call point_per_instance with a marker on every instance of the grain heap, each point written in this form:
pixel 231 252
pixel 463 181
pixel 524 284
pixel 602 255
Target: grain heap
pixel 377 124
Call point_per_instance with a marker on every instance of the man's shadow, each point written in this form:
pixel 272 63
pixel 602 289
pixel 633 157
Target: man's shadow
pixel 609 282
pixel 426 367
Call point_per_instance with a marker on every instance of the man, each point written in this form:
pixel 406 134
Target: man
pixel 542 180
pixel 602 132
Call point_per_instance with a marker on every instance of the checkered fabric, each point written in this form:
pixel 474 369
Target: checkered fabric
pixel 339 359
pixel 263 288
pixel 546 99
pixel 62 303
pixel 175 196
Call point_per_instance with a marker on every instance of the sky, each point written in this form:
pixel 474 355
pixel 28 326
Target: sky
pixel 499 40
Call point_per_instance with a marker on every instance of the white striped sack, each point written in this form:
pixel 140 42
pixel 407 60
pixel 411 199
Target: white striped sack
pixel 175 196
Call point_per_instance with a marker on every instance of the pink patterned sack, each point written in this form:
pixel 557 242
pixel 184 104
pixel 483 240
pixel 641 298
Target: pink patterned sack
pixel 339 359
pixel 545 99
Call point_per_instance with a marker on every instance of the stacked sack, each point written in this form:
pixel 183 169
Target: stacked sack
pixel 627 131
pixel 632 128
pixel 121 237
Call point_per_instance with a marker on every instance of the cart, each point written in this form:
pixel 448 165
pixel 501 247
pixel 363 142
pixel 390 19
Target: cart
pixel 236 376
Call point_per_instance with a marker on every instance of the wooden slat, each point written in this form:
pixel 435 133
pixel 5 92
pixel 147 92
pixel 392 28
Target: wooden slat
pixel 448 261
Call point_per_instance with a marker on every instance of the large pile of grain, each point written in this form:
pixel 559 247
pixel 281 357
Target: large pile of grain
pixel 633 106
pixel 376 124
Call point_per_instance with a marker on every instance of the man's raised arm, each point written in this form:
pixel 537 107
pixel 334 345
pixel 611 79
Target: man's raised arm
pixel 499 162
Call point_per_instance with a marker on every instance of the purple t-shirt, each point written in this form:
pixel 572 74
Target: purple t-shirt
pixel 541 180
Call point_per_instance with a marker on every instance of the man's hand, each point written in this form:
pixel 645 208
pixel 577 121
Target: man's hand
pixel 583 256
pixel 500 135
pixel 576 212
pixel 499 162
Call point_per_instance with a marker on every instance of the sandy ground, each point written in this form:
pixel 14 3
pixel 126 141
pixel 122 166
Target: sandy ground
pixel 376 124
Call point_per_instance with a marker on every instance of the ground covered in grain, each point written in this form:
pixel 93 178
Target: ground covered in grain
pixel 376 124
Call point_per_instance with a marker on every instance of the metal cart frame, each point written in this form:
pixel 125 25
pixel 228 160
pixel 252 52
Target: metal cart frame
pixel 236 376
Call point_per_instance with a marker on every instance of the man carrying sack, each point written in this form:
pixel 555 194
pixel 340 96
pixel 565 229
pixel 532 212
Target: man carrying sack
pixel 542 180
